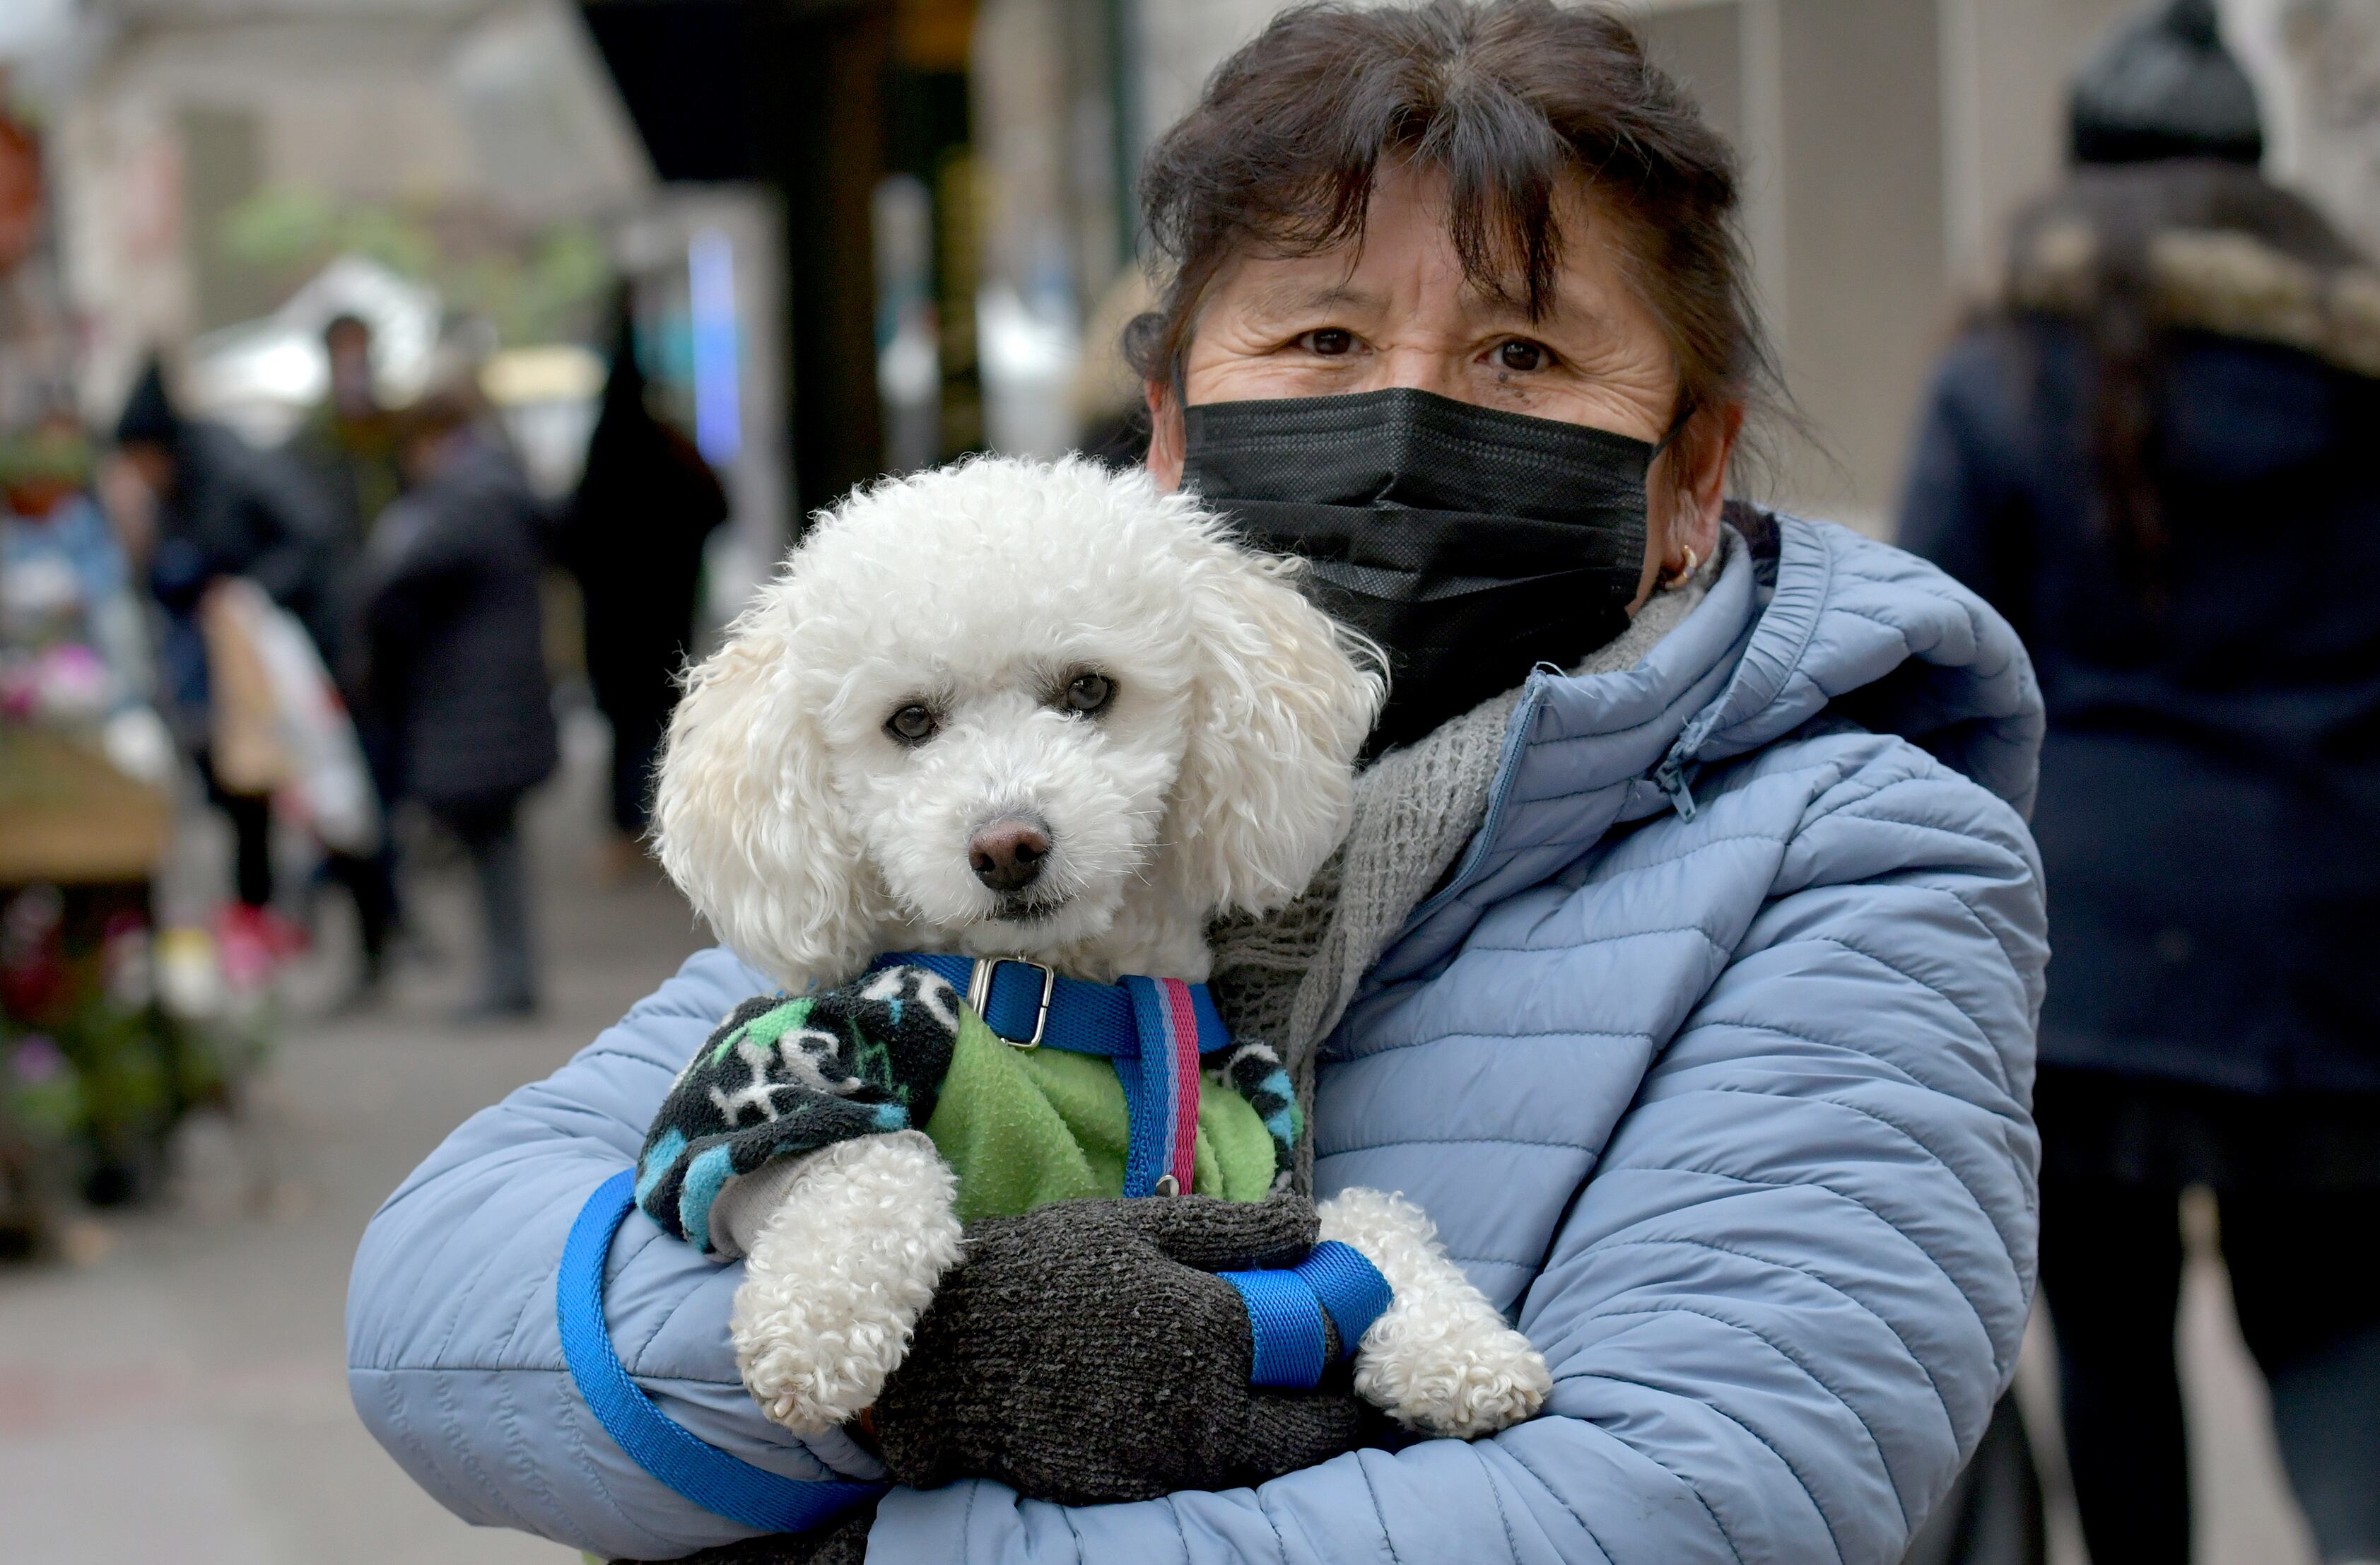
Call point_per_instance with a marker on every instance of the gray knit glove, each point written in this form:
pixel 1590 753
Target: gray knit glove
pixel 1085 1352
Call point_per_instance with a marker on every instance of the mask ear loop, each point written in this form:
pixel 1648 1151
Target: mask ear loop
pixel 1687 408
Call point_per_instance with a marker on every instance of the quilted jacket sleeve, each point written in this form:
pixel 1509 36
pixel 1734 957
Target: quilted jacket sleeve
pixel 1778 1315
pixel 453 1355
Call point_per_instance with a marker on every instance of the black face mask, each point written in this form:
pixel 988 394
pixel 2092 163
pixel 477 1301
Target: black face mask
pixel 1471 544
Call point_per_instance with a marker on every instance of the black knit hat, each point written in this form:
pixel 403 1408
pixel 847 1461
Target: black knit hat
pixel 149 417
pixel 2162 86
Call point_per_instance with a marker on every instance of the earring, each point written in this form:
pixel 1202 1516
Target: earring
pixel 1686 570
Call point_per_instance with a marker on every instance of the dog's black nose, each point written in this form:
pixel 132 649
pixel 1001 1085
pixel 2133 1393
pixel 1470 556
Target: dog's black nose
pixel 1007 855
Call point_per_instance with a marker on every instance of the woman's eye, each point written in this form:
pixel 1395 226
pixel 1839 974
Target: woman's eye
pixel 1523 354
pixel 1089 694
pixel 1330 342
pixel 913 724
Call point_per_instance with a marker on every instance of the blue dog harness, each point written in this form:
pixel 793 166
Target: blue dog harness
pixel 714 1479
pixel 1155 1030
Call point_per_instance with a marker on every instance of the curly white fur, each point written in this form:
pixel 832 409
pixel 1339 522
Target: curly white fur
pixel 839 1275
pixel 1440 1358
pixel 1218 779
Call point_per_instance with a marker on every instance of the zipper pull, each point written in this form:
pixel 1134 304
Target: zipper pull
pixel 1670 778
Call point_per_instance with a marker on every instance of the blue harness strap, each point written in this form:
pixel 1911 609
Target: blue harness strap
pixel 1153 1029
pixel 1285 1325
pixel 720 1482
pixel 1081 1017
pixel 1349 1286
pixel 1286 1308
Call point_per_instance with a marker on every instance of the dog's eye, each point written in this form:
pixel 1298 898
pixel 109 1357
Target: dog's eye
pixel 913 724
pixel 1089 694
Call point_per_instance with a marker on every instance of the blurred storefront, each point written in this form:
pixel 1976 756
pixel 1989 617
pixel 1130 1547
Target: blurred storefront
pixel 220 156
pixel 924 204
pixel 459 174
pixel 952 178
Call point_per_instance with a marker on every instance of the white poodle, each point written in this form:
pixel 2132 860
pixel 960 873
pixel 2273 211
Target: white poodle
pixel 1010 708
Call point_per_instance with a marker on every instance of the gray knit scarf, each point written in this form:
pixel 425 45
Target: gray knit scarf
pixel 1288 978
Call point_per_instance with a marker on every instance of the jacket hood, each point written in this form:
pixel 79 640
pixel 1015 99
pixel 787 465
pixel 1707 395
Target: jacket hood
pixel 1809 626
pixel 2219 281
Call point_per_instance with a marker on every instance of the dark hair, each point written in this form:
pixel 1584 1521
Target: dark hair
pixel 2089 252
pixel 1507 99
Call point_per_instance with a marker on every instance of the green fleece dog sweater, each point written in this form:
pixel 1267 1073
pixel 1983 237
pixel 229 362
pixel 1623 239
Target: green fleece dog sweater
pixel 784 1075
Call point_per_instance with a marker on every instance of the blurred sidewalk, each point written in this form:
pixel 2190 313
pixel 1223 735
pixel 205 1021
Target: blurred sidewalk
pixel 181 1395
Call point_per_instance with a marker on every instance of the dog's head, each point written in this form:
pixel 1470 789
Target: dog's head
pixel 994 703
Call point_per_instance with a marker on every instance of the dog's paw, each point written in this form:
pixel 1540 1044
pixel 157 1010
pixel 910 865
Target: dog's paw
pixel 1466 1379
pixel 838 1276
pixel 1440 1359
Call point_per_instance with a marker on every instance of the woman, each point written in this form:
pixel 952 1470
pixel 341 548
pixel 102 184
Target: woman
pixel 455 675
pixel 1689 919
pixel 2154 457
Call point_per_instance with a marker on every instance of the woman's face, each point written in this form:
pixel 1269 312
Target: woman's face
pixel 1397 311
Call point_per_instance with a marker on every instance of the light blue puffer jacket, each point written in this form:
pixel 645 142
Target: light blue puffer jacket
pixel 1753 936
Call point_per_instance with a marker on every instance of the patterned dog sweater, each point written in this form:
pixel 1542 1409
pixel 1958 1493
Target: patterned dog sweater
pixel 899 1049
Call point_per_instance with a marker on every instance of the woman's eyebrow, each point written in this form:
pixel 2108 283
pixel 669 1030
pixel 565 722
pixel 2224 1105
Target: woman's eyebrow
pixel 1489 306
pixel 1291 297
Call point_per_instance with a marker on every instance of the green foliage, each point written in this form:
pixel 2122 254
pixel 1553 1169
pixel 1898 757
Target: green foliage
pixel 111 1072
pixel 40 1097
pixel 126 1087
pixel 544 285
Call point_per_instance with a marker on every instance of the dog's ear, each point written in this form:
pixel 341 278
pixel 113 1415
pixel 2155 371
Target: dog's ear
pixel 1283 700
pixel 746 816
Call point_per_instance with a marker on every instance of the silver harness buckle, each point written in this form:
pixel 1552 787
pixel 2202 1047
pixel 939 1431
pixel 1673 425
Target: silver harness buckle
pixel 979 997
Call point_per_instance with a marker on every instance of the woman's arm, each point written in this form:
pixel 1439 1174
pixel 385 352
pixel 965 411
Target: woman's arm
pixel 453 1359
pixel 1779 1316
pixel 454 1364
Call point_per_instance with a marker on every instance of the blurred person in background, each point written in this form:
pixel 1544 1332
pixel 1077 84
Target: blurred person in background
pixel 452 669
pixel 349 439
pixel 634 538
pixel 63 577
pixel 2155 456
pixel 219 508
pixel 349 445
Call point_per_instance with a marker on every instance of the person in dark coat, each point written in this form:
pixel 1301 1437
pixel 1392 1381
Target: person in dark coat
pixel 2155 456
pixel 347 445
pixel 348 440
pixel 634 538
pixel 224 508
pixel 456 671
